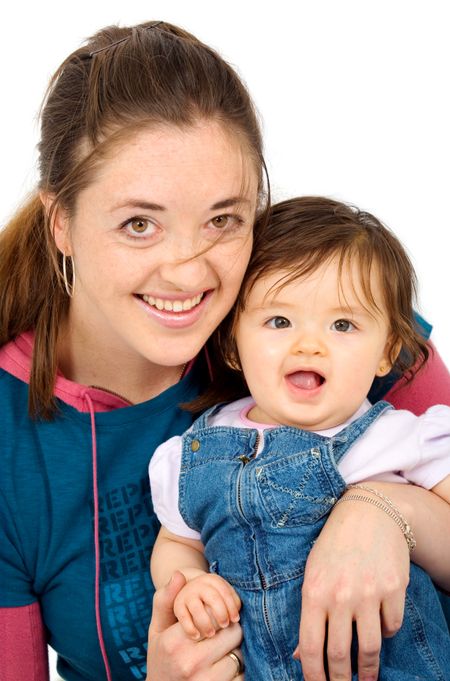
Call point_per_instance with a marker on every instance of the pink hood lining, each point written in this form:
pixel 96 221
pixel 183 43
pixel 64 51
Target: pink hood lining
pixel 16 357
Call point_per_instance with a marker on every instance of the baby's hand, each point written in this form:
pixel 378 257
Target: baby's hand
pixel 205 604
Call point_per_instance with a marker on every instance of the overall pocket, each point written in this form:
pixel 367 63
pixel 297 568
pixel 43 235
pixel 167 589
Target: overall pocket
pixel 296 490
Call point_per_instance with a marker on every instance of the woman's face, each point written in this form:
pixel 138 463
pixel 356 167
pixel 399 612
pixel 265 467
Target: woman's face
pixel 160 241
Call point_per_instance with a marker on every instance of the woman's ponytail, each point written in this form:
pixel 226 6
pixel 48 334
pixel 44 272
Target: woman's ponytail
pixel 31 296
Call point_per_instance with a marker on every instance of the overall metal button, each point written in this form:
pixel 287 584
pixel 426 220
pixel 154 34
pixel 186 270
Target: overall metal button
pixel 195 445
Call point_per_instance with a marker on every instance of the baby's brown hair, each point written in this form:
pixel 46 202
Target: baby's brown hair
pixel 301 235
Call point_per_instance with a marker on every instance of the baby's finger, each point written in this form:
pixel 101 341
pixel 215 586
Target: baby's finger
pixel 233 605
pixel 231 598
pixel 218 608
pixel 183 615
pixel 201 618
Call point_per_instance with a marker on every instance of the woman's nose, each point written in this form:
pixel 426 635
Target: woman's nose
pixel 185 267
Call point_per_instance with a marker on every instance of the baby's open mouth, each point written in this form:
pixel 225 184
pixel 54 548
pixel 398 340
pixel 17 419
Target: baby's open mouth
pixel 306 380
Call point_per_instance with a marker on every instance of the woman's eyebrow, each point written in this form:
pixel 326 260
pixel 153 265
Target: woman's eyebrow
pixel 148 205
pixel 228 203
pixel 137 203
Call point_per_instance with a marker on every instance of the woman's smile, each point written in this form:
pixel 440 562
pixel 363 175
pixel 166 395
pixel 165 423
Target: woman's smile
pixel 177 313
pixel 175 305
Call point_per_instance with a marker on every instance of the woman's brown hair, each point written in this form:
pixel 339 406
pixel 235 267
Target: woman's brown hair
pixel 119 81
pixel 301 234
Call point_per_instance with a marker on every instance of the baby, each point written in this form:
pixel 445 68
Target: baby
pixel 326 306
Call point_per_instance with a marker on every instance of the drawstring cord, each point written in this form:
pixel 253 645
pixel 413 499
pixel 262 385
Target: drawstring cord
pixel 87 397
pixel 96 539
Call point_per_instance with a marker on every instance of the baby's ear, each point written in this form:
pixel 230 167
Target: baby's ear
pixel 391 352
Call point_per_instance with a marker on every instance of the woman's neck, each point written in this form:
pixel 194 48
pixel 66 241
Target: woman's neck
pixel 126 374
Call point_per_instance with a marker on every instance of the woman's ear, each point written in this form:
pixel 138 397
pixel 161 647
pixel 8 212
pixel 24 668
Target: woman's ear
pixel 58 223
pixel 387 361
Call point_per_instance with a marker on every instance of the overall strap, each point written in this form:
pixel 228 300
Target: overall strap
pixel 341 443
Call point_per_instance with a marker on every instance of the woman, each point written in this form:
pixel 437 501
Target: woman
pixel 112 278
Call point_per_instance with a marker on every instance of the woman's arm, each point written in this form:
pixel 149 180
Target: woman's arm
pixel 358 570
pixel 428 513
pixel 23 648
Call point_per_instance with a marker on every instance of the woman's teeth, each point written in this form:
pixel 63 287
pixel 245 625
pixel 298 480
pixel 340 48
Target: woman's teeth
pixel 173 305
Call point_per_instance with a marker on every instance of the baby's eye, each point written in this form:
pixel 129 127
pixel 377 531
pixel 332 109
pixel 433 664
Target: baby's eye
pixel 139 227
pixel 343 326
pixel 278 323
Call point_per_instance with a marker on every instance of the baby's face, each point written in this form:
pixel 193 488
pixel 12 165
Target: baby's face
pixel 311 350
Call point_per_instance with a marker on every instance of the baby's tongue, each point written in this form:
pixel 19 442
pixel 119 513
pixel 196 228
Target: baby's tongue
pixel 307 380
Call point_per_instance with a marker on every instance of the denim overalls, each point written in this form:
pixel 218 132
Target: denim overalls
pixel 258 519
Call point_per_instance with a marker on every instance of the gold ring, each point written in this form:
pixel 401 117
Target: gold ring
pixel 239 663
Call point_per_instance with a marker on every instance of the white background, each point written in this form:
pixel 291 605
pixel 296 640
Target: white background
pixel 353 97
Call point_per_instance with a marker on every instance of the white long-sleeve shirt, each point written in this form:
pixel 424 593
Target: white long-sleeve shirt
pixel 397 447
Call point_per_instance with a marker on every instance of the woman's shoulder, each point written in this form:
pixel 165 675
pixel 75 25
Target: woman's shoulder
pixel 13 400
pixel 430 386
pixel 16 356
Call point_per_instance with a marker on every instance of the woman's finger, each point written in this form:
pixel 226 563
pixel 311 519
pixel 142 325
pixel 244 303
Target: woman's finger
pixel 392 611
pixel 227 668
pixel 339 645
pixel 368 627
pixel 310 649
pixel 163 602
pixel 173 656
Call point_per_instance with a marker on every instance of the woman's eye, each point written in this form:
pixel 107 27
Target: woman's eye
pixel 278 323
pixel 226 222
pixel 343 326
pixel 139 227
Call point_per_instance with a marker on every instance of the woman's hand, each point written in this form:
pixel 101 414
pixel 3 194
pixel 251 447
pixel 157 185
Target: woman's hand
pixel 357 571
pixel 172 656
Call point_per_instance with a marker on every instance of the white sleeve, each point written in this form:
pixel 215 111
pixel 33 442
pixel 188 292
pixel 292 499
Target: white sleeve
pixel 434 444
pixel 402 447
pixel 164 472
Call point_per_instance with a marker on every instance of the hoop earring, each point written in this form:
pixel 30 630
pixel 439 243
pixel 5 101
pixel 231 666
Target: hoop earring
pixel 69 287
